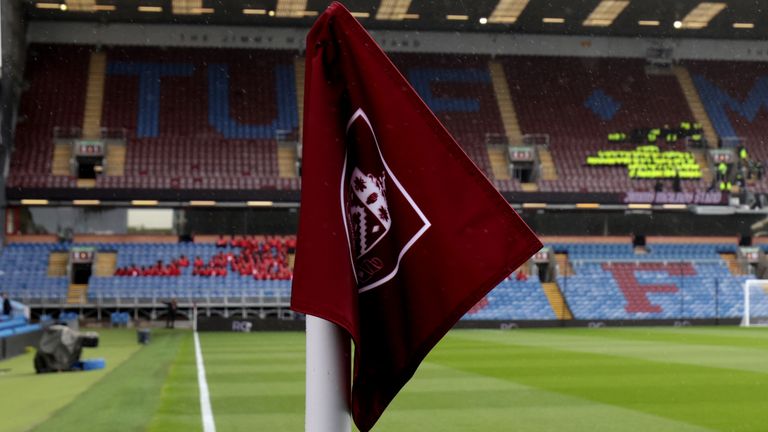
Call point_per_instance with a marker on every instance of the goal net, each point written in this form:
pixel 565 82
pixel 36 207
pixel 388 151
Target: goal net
pixel 755 303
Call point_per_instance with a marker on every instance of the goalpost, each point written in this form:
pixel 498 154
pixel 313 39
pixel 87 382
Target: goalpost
pixel 755 303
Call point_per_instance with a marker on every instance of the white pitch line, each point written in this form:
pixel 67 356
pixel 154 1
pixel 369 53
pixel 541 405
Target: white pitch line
pixel 205 399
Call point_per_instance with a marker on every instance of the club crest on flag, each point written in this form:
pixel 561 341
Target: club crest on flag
pixel 373 202
pixel 369 215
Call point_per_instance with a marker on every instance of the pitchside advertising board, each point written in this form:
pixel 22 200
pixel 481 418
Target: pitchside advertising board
pixel 246 325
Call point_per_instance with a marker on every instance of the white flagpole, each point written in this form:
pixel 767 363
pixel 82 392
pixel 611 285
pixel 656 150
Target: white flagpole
pixel 328 377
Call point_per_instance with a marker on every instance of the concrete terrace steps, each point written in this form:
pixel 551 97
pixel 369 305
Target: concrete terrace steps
pixel 556 301
pixel 695 104
pixel 94 96
pixel 115 159
pixel 298 68
pixel 706 169
pixel 564 267
pixel 57 263
pixel 62 155
pixel 77 293
pixel 286 160
pixel 291 260
pixel 529 187
pixel 547 168
pixel 733 264
pixel 505 103
pixel 497 155
pixel 105 264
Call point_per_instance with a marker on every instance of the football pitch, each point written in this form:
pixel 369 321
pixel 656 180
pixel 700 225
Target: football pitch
pixel 609 379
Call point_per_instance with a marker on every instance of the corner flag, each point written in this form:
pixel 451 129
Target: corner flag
pixel 400 234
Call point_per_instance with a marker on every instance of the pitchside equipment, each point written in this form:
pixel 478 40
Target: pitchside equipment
pixel 755 303
pixel 60 348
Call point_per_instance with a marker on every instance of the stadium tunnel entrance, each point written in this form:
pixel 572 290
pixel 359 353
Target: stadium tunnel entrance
pixel 81 272
pixel 88 167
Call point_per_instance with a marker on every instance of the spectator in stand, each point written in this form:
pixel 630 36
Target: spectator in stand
pixel 743 156
pixel 676 186
pixel 7 308
pixel 199 262
pixel 170 318
pixel 222 242
pixel 722 171
pixel 183 261
pixel 521 276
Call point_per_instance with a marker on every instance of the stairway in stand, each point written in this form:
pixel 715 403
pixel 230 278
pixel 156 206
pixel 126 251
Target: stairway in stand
pixel 286 159
pixel 497 155
pixel 105 264
pixel 697 107
pixel 57 263
pixel 86 183
pixel 114 160
pixel 94 96
pixel 506 105
pixel 77 293
pixel 556 300
pixel 733 264
pixel 706 169
pixel 547 170
pixel 62 155
pixel 291 260
pixel 298 71
pixel 564 267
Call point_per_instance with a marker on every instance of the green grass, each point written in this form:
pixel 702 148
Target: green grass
pixel 639 379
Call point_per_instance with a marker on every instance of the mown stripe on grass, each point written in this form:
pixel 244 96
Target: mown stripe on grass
pixel 733 337
pixel 127 397
pixel 259 385
pixel 441 398
pixel 711 397
pixel 179 407
pixel 721 355
pixel 28 399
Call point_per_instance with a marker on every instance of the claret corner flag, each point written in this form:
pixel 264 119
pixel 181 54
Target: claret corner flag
pixel 400 234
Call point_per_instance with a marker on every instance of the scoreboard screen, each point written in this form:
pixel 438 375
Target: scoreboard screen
pixel 752 254
pixel 89 148
pixel 81 255
pixel 720 155
pixel 521 154
pixel 542 256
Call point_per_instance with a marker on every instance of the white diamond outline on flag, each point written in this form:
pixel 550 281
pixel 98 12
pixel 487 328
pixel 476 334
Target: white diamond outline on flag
pixel 360 114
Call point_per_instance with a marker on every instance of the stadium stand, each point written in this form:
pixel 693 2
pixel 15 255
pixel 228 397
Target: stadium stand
pixel 569 97
pixel 178 110
pixel 203 119
pixel 734 95
pixel 258 270
pixel 460 92
pixel 16 326
pixel 666 281
pixel 579 101
pixel 513 300
pixel 24 268
pixel 609 281
pixel 57 78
